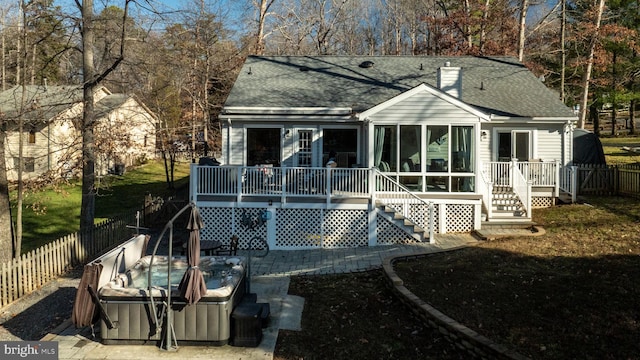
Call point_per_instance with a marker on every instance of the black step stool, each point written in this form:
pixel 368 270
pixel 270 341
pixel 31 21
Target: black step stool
pixel 252 298
pixel 246 322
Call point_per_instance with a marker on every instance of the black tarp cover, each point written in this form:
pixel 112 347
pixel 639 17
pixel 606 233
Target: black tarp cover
pixel 587 148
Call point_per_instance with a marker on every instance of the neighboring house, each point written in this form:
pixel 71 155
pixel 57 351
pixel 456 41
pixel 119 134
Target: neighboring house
pixel 125 130
pixel 423 145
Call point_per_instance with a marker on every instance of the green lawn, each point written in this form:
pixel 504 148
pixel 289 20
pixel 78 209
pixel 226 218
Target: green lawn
pixel 613 152
pixel 55 212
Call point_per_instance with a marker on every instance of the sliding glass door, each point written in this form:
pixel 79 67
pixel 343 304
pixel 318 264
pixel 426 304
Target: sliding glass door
pixel 264 146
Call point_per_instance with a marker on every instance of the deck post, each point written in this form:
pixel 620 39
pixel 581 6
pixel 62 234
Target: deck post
pixel 283 181
pixel 557 180
pixel 574 184
pixel 193 181
pixel 239 184
pixel 432 239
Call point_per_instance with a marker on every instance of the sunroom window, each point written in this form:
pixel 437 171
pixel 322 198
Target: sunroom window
pixel 443 162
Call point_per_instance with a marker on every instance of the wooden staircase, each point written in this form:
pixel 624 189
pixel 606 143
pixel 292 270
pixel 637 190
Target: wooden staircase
pixel 506 205
pixel 408 226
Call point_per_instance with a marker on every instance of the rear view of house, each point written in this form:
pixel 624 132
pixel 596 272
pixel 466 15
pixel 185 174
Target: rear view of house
pixel 423 145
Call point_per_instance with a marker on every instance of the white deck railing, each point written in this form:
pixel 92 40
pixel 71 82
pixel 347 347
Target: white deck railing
pixel 539 173
pixel 394 195
pixel 522 176
pixel 521 187
pixel 286 182
pixel 268 181
pixel 485 187
pixel 568 181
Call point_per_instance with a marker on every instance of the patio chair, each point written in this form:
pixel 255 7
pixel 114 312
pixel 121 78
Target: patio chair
pixel 231 249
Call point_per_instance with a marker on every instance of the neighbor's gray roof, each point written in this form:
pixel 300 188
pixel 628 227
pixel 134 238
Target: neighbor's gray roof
pixel 109 103
pixel 41 103
pixel 497 85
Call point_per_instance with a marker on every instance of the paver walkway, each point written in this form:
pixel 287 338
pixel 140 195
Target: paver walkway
pixel 270 281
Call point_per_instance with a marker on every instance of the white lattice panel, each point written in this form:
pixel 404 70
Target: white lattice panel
pixel 298 228
pixel 217 224
pixel 421 212
pixel 541 202
pixel 345 228
pixel 246 233
pixel 459 217
pixel 389 233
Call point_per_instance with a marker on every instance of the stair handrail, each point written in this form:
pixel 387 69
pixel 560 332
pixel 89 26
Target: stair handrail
pixel 485 187
pixel 406 198
pixel 521 187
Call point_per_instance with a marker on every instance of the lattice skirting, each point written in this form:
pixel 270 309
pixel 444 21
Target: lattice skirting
pixel 538 202
pixel 459 218
pixel 389 233
pixel 221 223
pixel 320 228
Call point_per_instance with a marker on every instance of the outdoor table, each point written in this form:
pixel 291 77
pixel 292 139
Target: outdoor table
pixel 206 246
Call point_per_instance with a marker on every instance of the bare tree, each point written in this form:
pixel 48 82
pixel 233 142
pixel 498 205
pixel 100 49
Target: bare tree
pixel 589 63
pixel 6 238
pixel 91 79
pixel 263 7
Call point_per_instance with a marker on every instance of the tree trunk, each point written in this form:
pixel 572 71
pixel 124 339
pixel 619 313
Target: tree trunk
pixel 563 26
pixel 262 14
pixel 91 80
pixel 87 210
pixel 587 74
pixel 595 119
pixel 4 55
pixel 524 7
pixel 6 236
pixel 614 102
pixel 17 247
pixel 632 121
pixel 483 31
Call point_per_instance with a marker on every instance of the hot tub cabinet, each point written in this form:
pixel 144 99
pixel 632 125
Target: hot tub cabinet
pixel 127 310
pixel 207 321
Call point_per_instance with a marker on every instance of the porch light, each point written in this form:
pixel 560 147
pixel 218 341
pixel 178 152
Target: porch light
pixel 484 134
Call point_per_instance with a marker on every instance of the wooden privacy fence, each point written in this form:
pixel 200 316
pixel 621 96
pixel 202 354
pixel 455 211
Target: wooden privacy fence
pixel 608 180
pixel 29 272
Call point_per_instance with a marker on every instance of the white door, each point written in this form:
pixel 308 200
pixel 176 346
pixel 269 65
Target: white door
pixel 304 148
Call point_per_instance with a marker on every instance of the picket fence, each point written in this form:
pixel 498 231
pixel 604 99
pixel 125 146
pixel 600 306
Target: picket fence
pixel 29 272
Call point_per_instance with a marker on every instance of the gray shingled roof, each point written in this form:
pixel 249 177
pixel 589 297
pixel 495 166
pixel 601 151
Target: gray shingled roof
pixel 41 103
pixel 109 103
pixel 497 85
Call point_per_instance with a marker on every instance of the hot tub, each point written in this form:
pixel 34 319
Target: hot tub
pixel 126 301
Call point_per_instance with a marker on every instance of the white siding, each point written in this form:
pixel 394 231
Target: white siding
pixel 549 143
pixel 424 107
pixel 485 143
pixel 236 156
pixel 546 138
